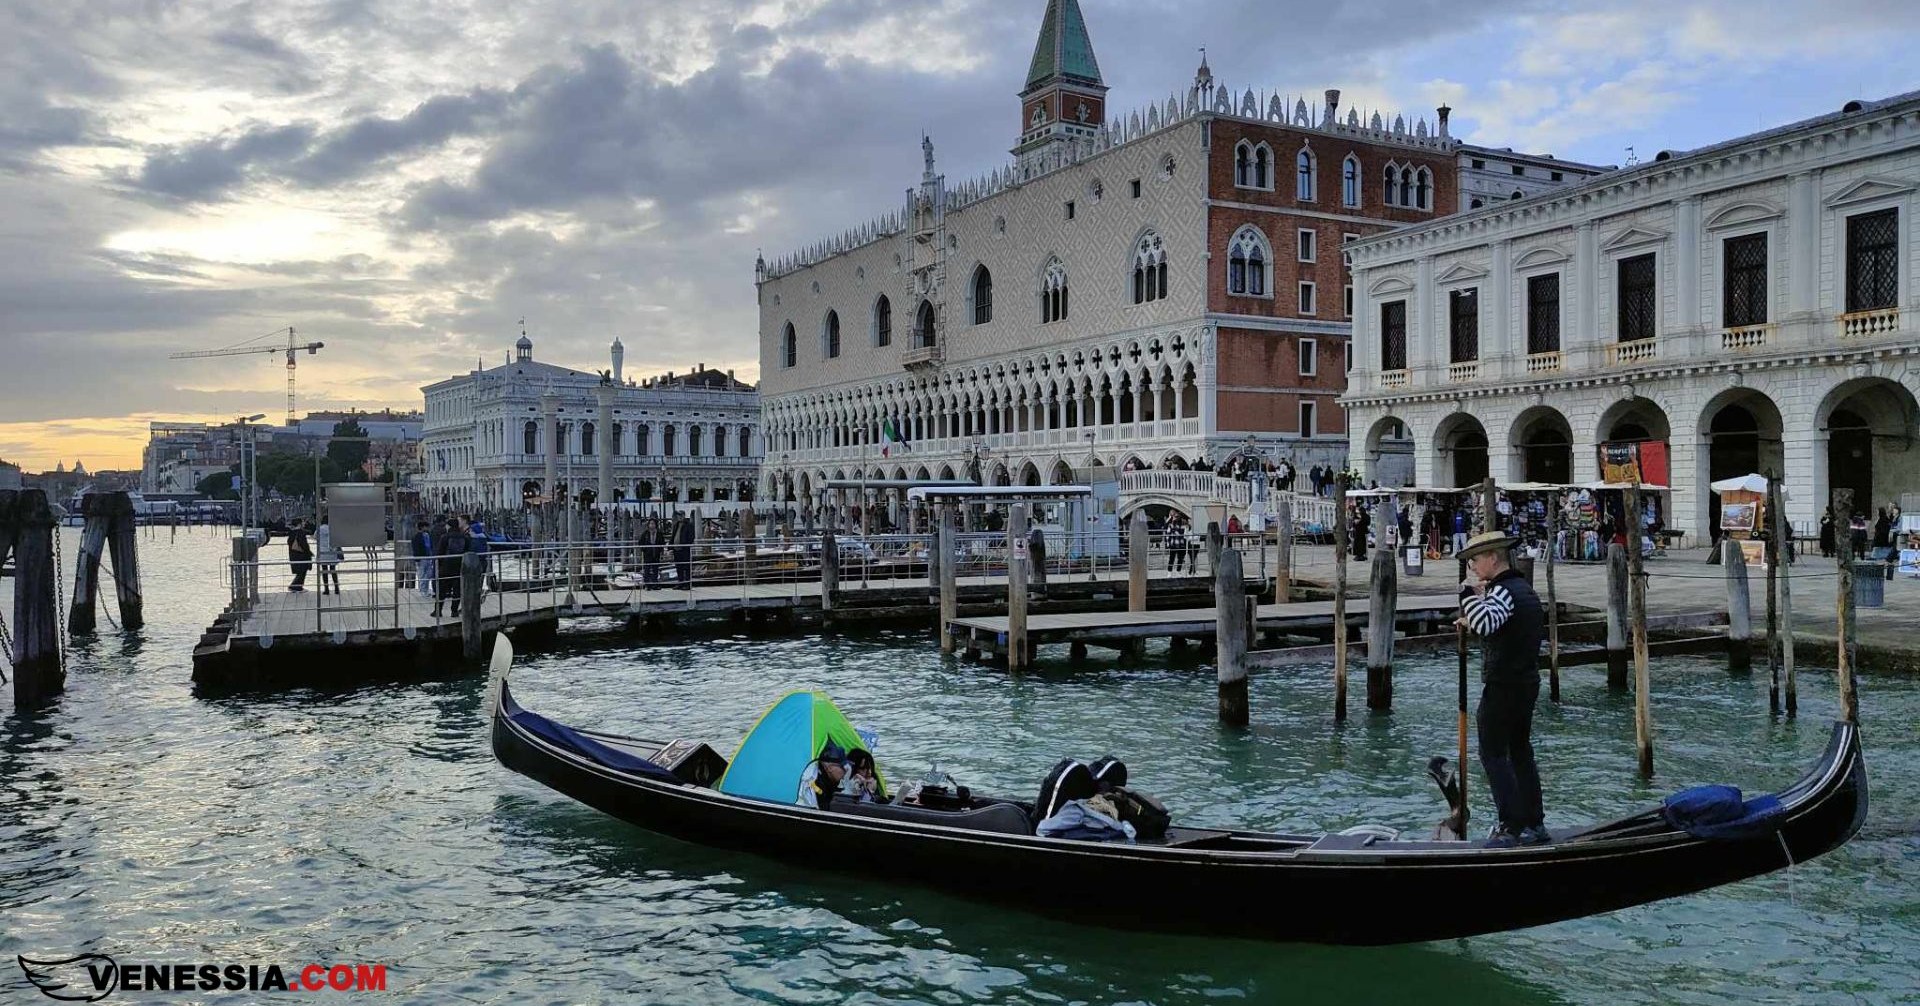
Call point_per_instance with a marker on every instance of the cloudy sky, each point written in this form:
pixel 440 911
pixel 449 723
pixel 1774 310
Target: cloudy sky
pixel 406 179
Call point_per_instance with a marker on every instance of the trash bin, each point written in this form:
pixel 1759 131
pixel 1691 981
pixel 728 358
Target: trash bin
pixel 1869 584
pixel 1413 561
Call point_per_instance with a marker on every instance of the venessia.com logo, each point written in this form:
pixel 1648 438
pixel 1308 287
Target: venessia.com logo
pixel 93 977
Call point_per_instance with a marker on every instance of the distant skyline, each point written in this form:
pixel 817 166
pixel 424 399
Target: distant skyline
pixel 405 181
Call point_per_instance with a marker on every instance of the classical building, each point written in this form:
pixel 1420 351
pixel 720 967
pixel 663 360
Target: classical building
pixel 529 430
pixel 1489 176
pixel 1744 307
pixel 1144 291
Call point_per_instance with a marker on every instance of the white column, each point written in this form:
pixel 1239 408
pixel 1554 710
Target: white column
pixel 1686 234
pixel 1366 354
pixel 1500 350
pixel 1425 335
pixel 1583 349
pixel 1209 379
pixel 1803 236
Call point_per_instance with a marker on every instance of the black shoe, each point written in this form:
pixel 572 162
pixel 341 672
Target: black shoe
pixel 436 611
pixel 1501 838
pixel 1535 834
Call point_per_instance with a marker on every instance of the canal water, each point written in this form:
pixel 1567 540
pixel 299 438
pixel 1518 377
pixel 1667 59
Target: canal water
pixel 372 826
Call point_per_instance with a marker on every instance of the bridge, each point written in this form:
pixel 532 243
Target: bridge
pixel 1191 492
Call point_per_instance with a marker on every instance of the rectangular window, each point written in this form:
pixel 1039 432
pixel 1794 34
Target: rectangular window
pixel 1306 298
pixel 1557 176
pixel 1393 335
pixel 1309 358
pixel 1519 170
pixel 1463 314
pixel 1543 313
pixel 1636 304
pixel 1479 164
pixel 1307 426
pixel 1136 188
pixel 1745 273
pixel 1069 209
pixel 1349 349
pixel 1349 292
pixel 1873 261
pixel 1309 246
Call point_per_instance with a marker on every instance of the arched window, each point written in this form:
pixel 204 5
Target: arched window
pixel 1053 292
pixel 560 432
pixel 789 348
pixel 666 440
pixel 719 441
pixel 530 438
pixel 1149 269
pixel 924 335
pixel 982 295
pixel 642 439
pixel 1389 192
pixel 1242 164
pixel 1350 181
pixel 586 438
pixel 1303 170
pixel 830 335
pixel 1247 259
pixel 1423 189
pixel 883 321
pixel 746 441
pixel 614 441
pixel 1517 194
pixel 1262 167
pixel 1406 186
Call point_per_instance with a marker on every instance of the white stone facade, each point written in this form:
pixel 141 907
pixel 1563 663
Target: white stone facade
pixel 1489 176
pixel 1816 376
pixel 521 430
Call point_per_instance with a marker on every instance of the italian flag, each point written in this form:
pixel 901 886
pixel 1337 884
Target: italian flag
pixel 890 438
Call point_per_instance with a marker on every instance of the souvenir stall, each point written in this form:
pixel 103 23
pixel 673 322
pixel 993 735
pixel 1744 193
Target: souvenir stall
pixel 1743 514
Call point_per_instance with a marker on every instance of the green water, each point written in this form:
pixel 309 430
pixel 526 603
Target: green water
pixel 373 825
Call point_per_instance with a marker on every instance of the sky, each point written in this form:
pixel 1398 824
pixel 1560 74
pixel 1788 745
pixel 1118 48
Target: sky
pixel 405 180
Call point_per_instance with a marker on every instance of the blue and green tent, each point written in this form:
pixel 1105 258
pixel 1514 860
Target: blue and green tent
pixel 788 737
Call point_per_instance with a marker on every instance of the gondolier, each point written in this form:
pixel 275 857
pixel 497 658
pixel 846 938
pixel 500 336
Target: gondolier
pixel 1498 605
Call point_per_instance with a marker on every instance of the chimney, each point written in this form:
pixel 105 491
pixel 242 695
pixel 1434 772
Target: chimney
pixel 1444 112
pixel 1333 106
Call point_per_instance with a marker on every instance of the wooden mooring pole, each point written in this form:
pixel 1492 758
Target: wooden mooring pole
pixel 1553 599
pixel 1739 608
pixel 1283 551
pixel 1844 641
pixel 1230 636
pixel 121 548
pixel 1784 542
pixel 1637 615
pixel 829 571
pixel 749 545
pixel 1137 546
pixel 26 531
pixel 1383 595
pixel 86 565
pixel 1617 648
pixel 1018 656
pixel 1340 599
pixel 1776 552
pixel 949 588
pixel 473 581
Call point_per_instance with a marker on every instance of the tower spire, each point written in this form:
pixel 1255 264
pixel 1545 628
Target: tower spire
pixel 1064 101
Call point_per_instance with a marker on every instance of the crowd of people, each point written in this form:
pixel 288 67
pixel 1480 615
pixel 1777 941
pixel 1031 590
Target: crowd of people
pixel 1877 540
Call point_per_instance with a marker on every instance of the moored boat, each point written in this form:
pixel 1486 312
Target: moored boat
pixel 1362 888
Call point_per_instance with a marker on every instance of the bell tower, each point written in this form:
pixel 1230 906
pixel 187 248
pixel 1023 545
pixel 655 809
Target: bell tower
pixel 1065 101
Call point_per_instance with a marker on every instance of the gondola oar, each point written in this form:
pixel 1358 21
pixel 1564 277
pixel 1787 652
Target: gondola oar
pixel 1461 812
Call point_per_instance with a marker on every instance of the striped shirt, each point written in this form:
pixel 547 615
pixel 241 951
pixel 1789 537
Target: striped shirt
pixel 1486 613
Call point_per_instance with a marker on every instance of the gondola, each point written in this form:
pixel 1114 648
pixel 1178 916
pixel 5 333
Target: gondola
pixel 1363 888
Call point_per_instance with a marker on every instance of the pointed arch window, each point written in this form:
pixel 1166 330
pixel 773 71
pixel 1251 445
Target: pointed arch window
pixel 530 438
pixel 1350 181
pixel 830 335
pixel 1389 192
pixel 789 347
pixel 1303 172
pixel 1242 164
pixel 1262 167
pixel 1406 186
pixel 924 335
pixel 1149 269
pixel 883 321
pixel 1247 259
pixel 1053 293
pixel 982 295
pixel 1423 189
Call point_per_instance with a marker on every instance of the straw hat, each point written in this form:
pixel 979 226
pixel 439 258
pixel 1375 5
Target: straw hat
pixel 1486 541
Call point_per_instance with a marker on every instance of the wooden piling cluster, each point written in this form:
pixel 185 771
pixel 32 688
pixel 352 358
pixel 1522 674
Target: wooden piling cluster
pixel 109 529
pixel 26 533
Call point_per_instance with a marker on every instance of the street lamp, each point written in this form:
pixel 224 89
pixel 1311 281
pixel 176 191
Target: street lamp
pixel 249 471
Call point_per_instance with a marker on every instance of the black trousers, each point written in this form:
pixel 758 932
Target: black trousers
pixel 1506 752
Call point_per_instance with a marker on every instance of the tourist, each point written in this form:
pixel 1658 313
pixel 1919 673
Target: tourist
pixel 1498 605
pixel 453 545
pixel 822 777
pixel 299 553
pixel 1857 535
pixel 329 556
pixel 1828 541
pixel 1175 541
pixel 1459 529
pixel 423 557
pixel 862 781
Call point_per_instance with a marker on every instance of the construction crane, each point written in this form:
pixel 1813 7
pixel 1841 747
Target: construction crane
pixel 292 349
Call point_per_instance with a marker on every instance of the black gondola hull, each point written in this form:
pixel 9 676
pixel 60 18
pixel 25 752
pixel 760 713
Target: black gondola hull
pixel 1305 890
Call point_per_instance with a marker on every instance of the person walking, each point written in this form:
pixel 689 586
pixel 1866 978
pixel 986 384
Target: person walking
pixel 1174 538
pixel 299 554
pixel 423 568
pixel 452 546
pixel 329 556
pixel 1498 605
pixel 1459 529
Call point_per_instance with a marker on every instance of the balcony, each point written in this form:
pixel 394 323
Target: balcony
pixel 1621 354
pixel 922 356
pixel 1870 324
pixel 1545 363
pixel 1461 372
pixel 1393 379
pixel 1746 337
